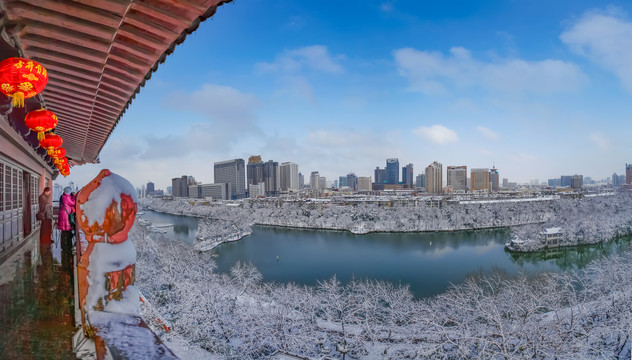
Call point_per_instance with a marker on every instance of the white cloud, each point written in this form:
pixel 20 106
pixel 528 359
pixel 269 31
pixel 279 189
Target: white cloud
pixel 488 133
pixel 600 140
pixel 434 73
pixel 314 58
pixel 437 134
pixel 605 38
pixel 223 105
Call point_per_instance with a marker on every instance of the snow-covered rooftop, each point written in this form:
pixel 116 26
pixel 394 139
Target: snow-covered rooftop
pixel 552 231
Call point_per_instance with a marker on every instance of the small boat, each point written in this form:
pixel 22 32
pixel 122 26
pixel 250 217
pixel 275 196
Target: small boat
pixel 140 213
pixel 143 222
pixel 163 225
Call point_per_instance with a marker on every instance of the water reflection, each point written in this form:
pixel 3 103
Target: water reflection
pixel 184 227
pixel 429 262
pixel 574 258
pixel 36 306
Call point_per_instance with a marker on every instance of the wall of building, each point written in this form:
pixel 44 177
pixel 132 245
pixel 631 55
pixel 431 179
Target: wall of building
pixel 23 175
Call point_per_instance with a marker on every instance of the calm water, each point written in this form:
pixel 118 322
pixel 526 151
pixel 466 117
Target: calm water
pixel 429 262
pixel 184 229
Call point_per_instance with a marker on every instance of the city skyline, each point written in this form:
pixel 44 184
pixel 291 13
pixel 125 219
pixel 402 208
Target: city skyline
pixel 485 88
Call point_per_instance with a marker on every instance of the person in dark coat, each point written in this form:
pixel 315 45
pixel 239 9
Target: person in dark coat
pixel 45 214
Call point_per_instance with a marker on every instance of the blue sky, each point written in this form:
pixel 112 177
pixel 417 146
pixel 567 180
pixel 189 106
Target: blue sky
pixel 538 88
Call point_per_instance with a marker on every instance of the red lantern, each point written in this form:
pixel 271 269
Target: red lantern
pixel 58 154
pixel 21 79
pixel 41 120
pixel 51 142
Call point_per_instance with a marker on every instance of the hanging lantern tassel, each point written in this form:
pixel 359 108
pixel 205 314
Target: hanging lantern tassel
pixel 18 99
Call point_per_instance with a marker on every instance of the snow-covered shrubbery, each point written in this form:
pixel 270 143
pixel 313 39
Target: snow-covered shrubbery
pixel 587 220
pixel 237 316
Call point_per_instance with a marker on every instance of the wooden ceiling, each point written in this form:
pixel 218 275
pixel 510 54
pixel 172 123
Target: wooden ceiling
pixel 98 54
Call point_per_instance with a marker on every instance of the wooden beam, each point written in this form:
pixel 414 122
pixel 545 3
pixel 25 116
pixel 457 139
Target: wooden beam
pixel 112 93
pixel 187 5
pixel 38 41
pixel 28 11
pixel 128 46
pixel 117 6
pixel 147 39
pixel 115 81
pixel 81 11
pixel 64 60
pixel 143 22
pixel 70 95
pixel 116 67
pixel 86 90
pixel 67 35
pixel 115 106
pixel 129 61
pixel 172 17
pixel 54 68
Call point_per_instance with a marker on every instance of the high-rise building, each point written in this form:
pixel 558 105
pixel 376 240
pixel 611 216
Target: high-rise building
pixel 342 181
pixel 232 172
pixel 392 171
pixel 577 181
pixel 628 173
pixel 505 183
pixel 180 186
pixel 272 177
pixel 493 179
pixel 255 170
pixel 407 175
pixel 289 176
pixel 380 175
pixel 169 190
pixel 352 181
pixel 554 182
pixel 301 181
pixel 322 182
pixel 314 180
pixel 364 183
pixel 434 178
pixel 479 179
pixel 565 180
pixel 150 188
pixel 457 177
pixel 420 181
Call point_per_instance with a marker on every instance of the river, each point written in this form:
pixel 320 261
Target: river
pixel 428 262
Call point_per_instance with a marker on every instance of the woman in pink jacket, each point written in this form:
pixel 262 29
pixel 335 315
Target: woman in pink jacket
pixel 66 207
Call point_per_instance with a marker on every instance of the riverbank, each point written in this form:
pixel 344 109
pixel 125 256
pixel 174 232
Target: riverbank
pixel 587 220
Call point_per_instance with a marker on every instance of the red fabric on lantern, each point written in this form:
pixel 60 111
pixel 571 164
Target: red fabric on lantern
pixel 51 142
pixel 58 154
pixel 41 120
pixel 21 79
